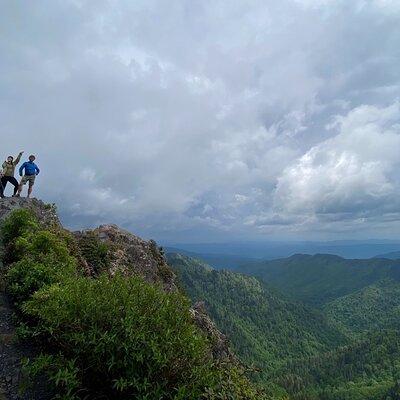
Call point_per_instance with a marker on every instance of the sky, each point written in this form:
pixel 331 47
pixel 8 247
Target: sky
pixel 208 120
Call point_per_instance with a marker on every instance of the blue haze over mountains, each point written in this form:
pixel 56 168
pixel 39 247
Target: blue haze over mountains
pixel 232 254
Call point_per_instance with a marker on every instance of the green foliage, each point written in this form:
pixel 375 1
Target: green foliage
pixel 304 356
pixel 394 392
pixel 128 339
pixel 127 336
pixel 369 364
pixel 26 277
pixel 264 327
pixel 17 224
pixel 109 337
pixel 43 259
pixel 374 307
pixel 95 252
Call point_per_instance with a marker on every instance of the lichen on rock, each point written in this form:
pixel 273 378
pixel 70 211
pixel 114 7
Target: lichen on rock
pixel 131 255
pixel 45 213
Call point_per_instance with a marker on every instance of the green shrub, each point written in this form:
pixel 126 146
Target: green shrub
pixel 126 338
pixel 27 276
pixel 42 245
pixel 95 252
pixel 43 260
pixel 18 223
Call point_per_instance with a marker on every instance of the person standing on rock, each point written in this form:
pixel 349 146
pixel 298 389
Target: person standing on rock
pixel 8 172
pixel 1 186
pixel 31 170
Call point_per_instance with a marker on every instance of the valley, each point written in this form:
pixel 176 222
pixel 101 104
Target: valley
pixel 315 327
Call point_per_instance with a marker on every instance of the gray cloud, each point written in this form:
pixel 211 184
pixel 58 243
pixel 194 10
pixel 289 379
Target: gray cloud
pixel 202 120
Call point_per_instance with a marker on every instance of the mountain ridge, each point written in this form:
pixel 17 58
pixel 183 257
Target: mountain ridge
pixel 318 279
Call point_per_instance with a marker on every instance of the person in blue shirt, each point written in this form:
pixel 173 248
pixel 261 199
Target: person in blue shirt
pixel 31 170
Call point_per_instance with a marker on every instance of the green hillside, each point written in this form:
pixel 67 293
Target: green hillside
pixel 262 325
pixel 322 278
pixel 374 307
pixel 363 370
pixel 347 349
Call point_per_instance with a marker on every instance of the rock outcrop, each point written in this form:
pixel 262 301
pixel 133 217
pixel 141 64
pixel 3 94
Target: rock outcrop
pixel 220 343
pixel 46 213
pixel 131 255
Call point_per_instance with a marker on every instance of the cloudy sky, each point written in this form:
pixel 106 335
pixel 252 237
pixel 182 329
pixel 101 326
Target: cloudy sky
pixel 198 120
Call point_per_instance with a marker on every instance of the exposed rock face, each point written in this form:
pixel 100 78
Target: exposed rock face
pixel 46 213
pixel 131 255
pixel 220 343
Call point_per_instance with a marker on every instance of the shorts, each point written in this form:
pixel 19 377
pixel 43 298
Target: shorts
pixel 28 178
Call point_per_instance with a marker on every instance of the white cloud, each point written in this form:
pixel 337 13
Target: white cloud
pixel 355 172
pixel 180 116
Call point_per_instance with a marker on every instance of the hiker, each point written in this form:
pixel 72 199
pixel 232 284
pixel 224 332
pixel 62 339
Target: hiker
pixel 8 172
pixel 1 186
pixel 31 170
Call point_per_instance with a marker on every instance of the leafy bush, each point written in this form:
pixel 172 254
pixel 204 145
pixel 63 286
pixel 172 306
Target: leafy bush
pixel 42 245
pixel 27 276
pixel 95 252
pixel 43 260
pixel 18 223
pixel 125 336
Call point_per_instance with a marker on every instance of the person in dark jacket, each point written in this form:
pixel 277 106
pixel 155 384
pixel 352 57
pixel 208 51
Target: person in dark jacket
pixel 8 172
pixel 31 170
pixel 1 186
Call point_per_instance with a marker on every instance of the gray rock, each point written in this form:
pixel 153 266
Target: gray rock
pixel 46 213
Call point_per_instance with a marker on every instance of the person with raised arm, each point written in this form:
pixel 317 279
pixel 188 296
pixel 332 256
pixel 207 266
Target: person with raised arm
pixel 8 172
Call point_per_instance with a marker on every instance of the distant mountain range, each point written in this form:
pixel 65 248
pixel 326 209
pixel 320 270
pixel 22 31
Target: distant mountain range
pixel 393 255
pixel 235 252
pixel 318 279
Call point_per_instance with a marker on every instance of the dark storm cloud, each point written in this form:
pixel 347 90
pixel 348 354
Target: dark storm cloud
pixel 201 118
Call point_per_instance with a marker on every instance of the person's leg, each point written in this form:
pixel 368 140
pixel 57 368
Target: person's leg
pixel 31 180
pixel 14 182
pixel 4 181
pixel 1 190
pixel 30 188
pixel 21 185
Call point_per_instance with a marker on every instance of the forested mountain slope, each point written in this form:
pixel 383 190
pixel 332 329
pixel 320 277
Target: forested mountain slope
pixel 321 278
pixel 262 325
pixel 346 349
pixel 372 308
pixel 363 370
